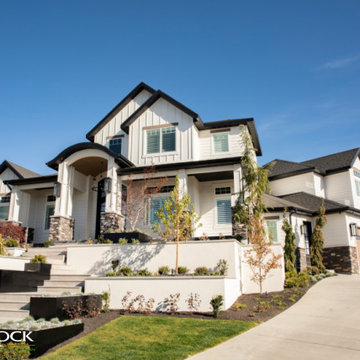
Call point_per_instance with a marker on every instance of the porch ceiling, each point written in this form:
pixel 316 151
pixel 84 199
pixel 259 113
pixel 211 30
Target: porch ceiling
pixel 91 165
pixel 213 176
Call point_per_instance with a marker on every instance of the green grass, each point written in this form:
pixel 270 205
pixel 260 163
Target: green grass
pixel 150 338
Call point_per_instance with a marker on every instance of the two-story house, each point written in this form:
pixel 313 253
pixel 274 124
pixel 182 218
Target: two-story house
pixel 301 186
pixel 147 127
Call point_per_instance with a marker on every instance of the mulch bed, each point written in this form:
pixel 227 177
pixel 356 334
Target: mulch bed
pixel 254 307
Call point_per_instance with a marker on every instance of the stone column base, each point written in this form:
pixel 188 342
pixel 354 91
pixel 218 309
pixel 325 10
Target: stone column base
pixel 342 259
pixel 61 229
pixel 111 221
pixel 301 259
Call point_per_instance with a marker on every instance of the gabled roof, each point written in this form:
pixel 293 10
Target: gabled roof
pixel 324 165
pixel 158 94
pixel 131 95
pixel 275 203
pixel 119 159
pixel 313 203
pixel 335 162
pixel 18 170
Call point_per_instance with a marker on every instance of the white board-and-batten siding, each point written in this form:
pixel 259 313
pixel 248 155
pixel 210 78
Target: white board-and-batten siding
pixel 7 174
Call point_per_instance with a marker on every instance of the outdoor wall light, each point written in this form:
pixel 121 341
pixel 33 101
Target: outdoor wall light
pixel 107 185
pixel 302 229
pixel 57 189
pixel 353 229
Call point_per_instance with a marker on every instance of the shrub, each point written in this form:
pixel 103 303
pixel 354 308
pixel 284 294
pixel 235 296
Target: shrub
pixel 240 306
pixel 193 302
pixel 102 240
pixel 15 351
pixel 222 267
pixel 171 303
pixel 105 298
pixel 48 243
pixel 111 273
pixel 2 246
pixel 39 259
pixel 11 242
pixel 312 270
pixel 299 280
pixel 183 270
pixel 201 270
pixel 123 241
pixel 144 272
pixel 164 270
pixel 8 230
pixel 135 241
pixel 216 303
pixel 115 264
pixel 125 271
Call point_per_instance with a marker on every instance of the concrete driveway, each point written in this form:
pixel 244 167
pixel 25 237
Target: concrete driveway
pixel 324 324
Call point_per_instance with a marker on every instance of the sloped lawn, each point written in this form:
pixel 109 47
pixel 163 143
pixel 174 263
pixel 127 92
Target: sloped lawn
pixel 150 338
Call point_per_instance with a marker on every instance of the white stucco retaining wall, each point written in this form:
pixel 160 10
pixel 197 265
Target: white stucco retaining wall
pixel 160 288
pixel 12 263
pixel 96 259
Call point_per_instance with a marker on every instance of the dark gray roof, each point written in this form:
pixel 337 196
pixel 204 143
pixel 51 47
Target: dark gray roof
pixel 334 162
pixel 20 171
pixel 275 203
pixel 313 203
pixel 324 165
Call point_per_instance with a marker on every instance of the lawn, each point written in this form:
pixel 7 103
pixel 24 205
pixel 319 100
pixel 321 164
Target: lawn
pixel 150 338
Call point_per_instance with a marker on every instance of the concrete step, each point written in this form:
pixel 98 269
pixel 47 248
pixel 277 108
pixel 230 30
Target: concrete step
pixel 62 269
pixel 6 315
pixel 16 296
pixel 68 277
pixel 14 305
pixel 59 289
pixel 63 283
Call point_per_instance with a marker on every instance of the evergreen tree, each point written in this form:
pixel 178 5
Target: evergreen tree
pixel 317 240
pixel 290 246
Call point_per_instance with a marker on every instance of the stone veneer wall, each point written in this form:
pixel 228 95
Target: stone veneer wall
pixel 61 229
pixel 301 259
pixel 111 221
pixel 342 259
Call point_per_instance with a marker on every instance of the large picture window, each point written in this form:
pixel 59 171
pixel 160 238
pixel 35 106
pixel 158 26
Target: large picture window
pixel 4 207
pixel 223 211
pixel 160 140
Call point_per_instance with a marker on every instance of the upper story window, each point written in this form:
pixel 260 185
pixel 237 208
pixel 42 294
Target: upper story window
pixel 115 145
pixel 221 142
pixel 160 140
pixel 357 182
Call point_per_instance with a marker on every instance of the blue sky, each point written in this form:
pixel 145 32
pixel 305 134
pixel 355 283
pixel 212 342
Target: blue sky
pixel 292 65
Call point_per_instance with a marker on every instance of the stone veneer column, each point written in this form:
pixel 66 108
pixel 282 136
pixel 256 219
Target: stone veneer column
pixel 111 221
pixel 301 260
pixel 342 259
pixel 61 229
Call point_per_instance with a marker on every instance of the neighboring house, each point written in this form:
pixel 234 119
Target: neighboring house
pixel 147 127
pixel 302 185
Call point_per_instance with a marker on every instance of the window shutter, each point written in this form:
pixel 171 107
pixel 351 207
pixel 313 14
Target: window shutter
pixel 168 139
pixel 153 141
pixel 221 143
pixel 223 207
pixel 272 230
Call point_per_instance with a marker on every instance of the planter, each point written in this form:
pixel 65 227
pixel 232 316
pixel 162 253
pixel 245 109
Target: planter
pixel 114 237
pixel 41 340
pixel 15 251
pixel 53 306
pixel 38 267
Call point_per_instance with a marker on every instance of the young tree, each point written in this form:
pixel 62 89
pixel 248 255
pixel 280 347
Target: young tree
pixel 317 240
pixel 138 192
pixel 290 246
pixel 177 219
pixel 249 211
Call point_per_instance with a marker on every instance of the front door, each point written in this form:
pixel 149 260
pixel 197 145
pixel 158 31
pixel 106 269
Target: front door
pixel 307 237
pixel 100 206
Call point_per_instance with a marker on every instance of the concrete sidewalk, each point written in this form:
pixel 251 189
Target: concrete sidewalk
pixel 324 324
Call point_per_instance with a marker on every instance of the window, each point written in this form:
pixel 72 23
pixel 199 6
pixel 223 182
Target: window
pixel 222 190
pixel 160 140
pixel 272 230
pixel 50 209
pixel 223 211
pixel 4 207
pixel 115 145
pixel 155 204
pixel 221 142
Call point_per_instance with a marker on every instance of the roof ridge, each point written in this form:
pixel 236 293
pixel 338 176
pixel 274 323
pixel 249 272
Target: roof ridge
pixel 317 197
pixel 337 153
